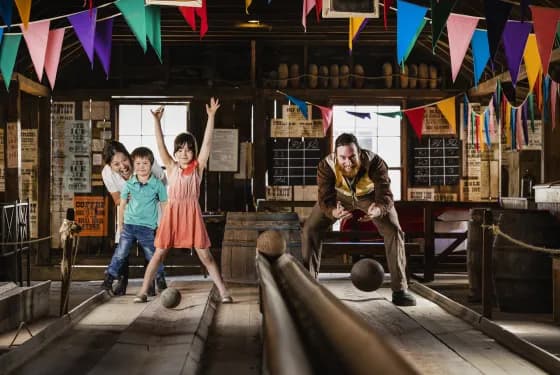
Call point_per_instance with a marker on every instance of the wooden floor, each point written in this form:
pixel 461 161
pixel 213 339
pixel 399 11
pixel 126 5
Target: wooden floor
pixel 121 337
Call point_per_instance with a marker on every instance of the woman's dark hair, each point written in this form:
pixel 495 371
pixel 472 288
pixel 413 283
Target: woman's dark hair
pixel 346 139
pixel 111 148
pixel 186 139
pixel 143 152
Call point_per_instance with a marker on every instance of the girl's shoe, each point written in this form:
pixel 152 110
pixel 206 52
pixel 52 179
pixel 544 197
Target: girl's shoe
pixel 227 299
pixel 140 298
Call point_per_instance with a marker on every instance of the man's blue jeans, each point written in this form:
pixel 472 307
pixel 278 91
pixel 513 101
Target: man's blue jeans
pixel 130 234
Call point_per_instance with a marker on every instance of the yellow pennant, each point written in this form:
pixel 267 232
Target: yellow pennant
pixel 247 5
pixel 532 59
pixel 24 9
pixel 447 108
pixel 354 28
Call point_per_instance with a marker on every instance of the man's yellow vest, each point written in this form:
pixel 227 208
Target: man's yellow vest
pixel 363 186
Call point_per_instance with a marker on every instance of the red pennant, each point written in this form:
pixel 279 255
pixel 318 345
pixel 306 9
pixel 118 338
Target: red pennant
pixel 189 16
pixel 544 23
pixel 318 9
pixel 387 4
pixel 416 119
pixel 326 115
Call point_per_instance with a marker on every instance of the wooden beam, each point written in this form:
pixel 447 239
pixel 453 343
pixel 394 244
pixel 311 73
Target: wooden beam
pixel 488 87
pixel 31 87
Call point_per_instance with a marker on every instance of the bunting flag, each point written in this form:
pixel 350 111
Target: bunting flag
pixel 519 128
pixel 416 118
pixel 84 27
pixel 153 29
pixel 459 30
pixel 544 22
pixel 440 12
pixel 553 96
pixel 362 115
pixel 135 16
pixel 447 108
pixel 531 101
pixel 480 52
pixel 307 6
pixel 515 37
pixel 8 53
pixel 465 111
pixel 6 10
pixel 36 36
pixel 476 122
pixel 355 27
pixel 247 5
pixel 326 115
pixel 103 43
pixel 546 96
pixel 492 114
pixel 24 9
pixel 507 122
pixel 390 114
pixel 189 16
pixel 302 105
pixel 1 34
pixel 387 4
pixel 497 13
pixel 513 128
pixel 52 58
pixel 524 122
pixel 410 22
pixel 532 61
pixel 487 127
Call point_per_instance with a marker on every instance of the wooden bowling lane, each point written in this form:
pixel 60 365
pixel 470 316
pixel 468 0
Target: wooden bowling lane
pixel 434 341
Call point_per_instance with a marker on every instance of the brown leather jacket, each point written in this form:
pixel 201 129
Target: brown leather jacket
pixel 372 183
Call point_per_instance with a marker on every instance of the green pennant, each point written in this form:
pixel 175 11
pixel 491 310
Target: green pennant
pixel 153 29
pixel 390 114
pixel 558 35
pixel 532 111
pixel 135 15
pixel 8 54
pixel 440 12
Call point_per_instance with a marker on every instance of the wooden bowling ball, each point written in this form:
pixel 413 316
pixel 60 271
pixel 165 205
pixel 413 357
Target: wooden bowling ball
pixel 170 298
pixel 367 275
pixel 271 243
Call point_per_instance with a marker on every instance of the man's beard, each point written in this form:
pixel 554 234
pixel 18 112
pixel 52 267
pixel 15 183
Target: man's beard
pixel 349 173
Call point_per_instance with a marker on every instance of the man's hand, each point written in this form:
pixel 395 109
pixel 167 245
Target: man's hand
pixel 340 212
pixel 374 211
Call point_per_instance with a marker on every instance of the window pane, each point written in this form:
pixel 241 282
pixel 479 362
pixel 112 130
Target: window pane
pixel 130 141
pixel 129 119
pixel 148 119
pixel 395 176
pixel 174 119
pixel 388 126
pixel 390 150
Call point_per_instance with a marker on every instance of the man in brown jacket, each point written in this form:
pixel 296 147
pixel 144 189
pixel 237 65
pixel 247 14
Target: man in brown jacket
pixel 355 179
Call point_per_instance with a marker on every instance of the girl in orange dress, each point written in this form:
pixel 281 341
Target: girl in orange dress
pixel 182 225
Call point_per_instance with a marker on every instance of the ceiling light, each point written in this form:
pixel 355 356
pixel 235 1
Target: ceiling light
pixel 254 21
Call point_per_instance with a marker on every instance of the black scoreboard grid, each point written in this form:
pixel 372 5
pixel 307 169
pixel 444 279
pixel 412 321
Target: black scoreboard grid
pixel 436 161
pixel 293 161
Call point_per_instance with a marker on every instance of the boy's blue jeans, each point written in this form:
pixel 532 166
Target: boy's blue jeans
pixel 130 234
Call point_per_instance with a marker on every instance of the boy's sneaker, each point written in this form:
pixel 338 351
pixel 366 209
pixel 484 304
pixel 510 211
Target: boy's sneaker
pixel 152 289
pixel 108 283
pixel 140 298
pixel 161 284
pixel 403 298
pixel 120 288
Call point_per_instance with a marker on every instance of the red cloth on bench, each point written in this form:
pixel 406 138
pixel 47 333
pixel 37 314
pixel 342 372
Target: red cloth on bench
pixel 410 218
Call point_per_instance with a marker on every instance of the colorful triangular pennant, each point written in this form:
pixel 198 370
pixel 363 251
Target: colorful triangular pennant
pixel 8 53
pixel 135 16
pixel 36 36
pixel 410 22
pixel 459 30
pixel 515 37
pixel 52 58
pixel 84 26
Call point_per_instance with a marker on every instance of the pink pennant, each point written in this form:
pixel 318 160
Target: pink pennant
pixel 544 24
pixel 460 30
pixel 307 6
pixel 326 115
pixel 52 58
pixel 553 97
pixel 416 119
pixel 36 36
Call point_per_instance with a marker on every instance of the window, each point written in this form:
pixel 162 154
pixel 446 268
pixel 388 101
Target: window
pixel 136 125
pixel 379 134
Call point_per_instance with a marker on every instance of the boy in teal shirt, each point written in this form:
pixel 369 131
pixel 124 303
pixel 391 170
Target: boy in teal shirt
pixel 138 215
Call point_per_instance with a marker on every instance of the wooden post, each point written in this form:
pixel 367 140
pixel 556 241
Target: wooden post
pixel 429 249
pixel 487 239
pixel 556 289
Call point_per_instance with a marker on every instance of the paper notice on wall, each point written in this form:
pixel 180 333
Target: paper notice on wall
pixel 97 145
pixel 63 111
pixel 29 146
pixel 100 110
pixel 535 141
pixel 77 174
pixel 77 135
pixel 420 194
pixel 12 145
pixel 292 113
pixel 435 123
pixel 2 163
pixel 470 189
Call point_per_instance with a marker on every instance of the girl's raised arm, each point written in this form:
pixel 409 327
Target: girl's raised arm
pixel 163 153
pixel 208 133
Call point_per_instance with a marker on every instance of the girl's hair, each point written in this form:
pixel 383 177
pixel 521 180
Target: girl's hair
pixel 143 152
pixel 186 139
pixel 111 148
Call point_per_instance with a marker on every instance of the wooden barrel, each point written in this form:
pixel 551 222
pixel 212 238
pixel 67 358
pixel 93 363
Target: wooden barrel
pixel 312 80
pixel 282 76
pixel 323 77
pixel 423 76
pixel 412 76
pixel 523 277
pixel 433 77
pixel 240 241
pixel 294 76
pixel 404 77
pixel 333 79
pixel 344 76
pixel 387 69
pixel 358 76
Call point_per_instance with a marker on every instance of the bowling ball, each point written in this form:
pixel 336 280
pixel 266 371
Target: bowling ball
pixel 170 298
pixel 367 275
pixel 271 243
